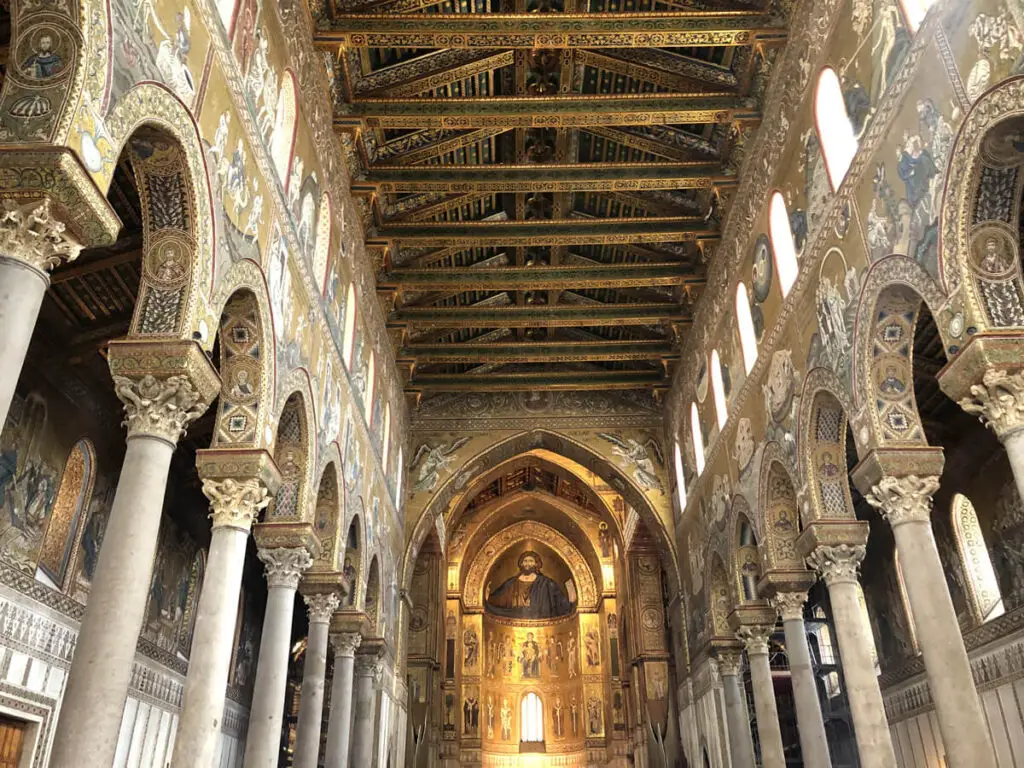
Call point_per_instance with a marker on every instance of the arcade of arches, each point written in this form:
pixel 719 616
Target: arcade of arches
pixel 511 383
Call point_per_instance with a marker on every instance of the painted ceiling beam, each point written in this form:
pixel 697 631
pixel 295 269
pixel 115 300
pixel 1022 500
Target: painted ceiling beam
pixel 552 380
pixel 423 146
pixel 674 29
pixel 532 316
pixel 624 64
pixel 537 352
pixel 652 229
pixel 539 278
pixel 434 70
pixel 571 111
pixel 576 177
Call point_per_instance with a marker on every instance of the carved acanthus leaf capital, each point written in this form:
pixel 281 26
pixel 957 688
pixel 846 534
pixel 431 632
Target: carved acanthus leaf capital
pixel 235 503
pixel 31 234
pixel 321 607
pixel 789 605
pixel 284 566
pixel 837 564
pixel 161 407
pixel 369 665
pixel 729 662
pixel 755 638
pixel 346 643
pixel 998 401
pixel 904 499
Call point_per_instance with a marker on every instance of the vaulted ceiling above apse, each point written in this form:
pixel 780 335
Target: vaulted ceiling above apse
pixel 544 181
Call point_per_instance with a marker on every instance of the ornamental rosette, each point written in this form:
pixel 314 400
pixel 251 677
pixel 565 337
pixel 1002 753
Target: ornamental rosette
pixel 235 503
pixel 998 401
pixel 159 407
pixel 321 607
pixel 904 499
pixel 837 564
pixel 285 566
pixel 32 235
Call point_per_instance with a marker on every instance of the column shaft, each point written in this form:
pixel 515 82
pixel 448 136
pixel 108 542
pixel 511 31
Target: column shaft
pixel 90 714
pixel 810 722
pixel 339 727
pixel 957 706
pixel 362 736
pixel 22 288
pixel 203 705
pixel 314 672
pixel 741 744
pixel 769 731
pixel 855 645
pixel 1014 444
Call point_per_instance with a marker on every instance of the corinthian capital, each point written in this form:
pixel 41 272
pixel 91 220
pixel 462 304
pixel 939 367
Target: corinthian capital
pixel 755 638
pixel 346 643
pixel 998 401
pixel 285 566
pixel 31 234
pixel 161 407
pixel 837 564
pixel 321 607
pixel 904 499
pixel 789 605
pixel 369 665
pixel 729 662
pixel 235 503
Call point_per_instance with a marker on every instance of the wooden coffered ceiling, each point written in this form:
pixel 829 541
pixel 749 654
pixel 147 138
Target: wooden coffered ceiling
pixel 545 180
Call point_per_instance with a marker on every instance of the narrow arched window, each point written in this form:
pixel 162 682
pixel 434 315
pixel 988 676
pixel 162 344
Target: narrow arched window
pixel 835 131
pixel 371 373
pixel 349 336
pixel 982 585
pixel 322 245
pixel 386 444
pixel 745 323
pixel 783 248
pixel 69 501
pixel 282 139
pixel 226 11
pixel 698 440
pixel 531 719
pixel 721 407
pixel 680 480
pixel 398 480
pixel 914 12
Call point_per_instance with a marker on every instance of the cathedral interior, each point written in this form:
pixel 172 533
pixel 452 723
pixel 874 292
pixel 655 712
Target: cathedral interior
pixel 512 384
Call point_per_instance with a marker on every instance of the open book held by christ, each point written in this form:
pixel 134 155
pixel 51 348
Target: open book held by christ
pixel 529 594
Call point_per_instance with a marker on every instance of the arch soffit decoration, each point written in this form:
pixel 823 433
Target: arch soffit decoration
pixel 297 383
pixel 333 549
pixel 564 446
pixel 775 541
pixel 1004 100
pixel 739 511
pixel 893 288
pixel 246 276
pixel 500 542
pixel 485 527
pixel 153 104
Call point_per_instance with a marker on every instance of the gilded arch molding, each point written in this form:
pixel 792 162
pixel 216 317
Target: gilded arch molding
pixel 496 545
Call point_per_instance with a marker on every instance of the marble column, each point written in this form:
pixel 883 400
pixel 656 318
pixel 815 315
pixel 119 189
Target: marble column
pixel 741 743
pixel 999 402
pixel 32 243
pixel 755 640
pixel 906 503
pixel 810 721
pixel 320 608
pixel 235 505
pixel 838 565
pixel 368 668
pixel 284 566
pixel 157 412
pixel 339 725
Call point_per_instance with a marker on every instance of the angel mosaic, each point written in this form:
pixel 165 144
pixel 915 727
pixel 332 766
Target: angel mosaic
pixel 432 460
pixel 636 456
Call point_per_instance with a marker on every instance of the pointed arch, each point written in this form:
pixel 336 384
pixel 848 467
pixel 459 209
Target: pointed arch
pixel 698 439
pixel 327 518
pixel 385 439
pixel 823 437
pixel 372 603
pixel 718 388
pixel 68 512
pixel 371 386
pixel 322 244
pixel 677 458
pixel 835 131
pixel 745 324
pixel 292 459
pixel 286 123
pixel 348 338
pixel 780 232
pixel 352 560
pixel 719 597
pixel 746 556
pixel 780 525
